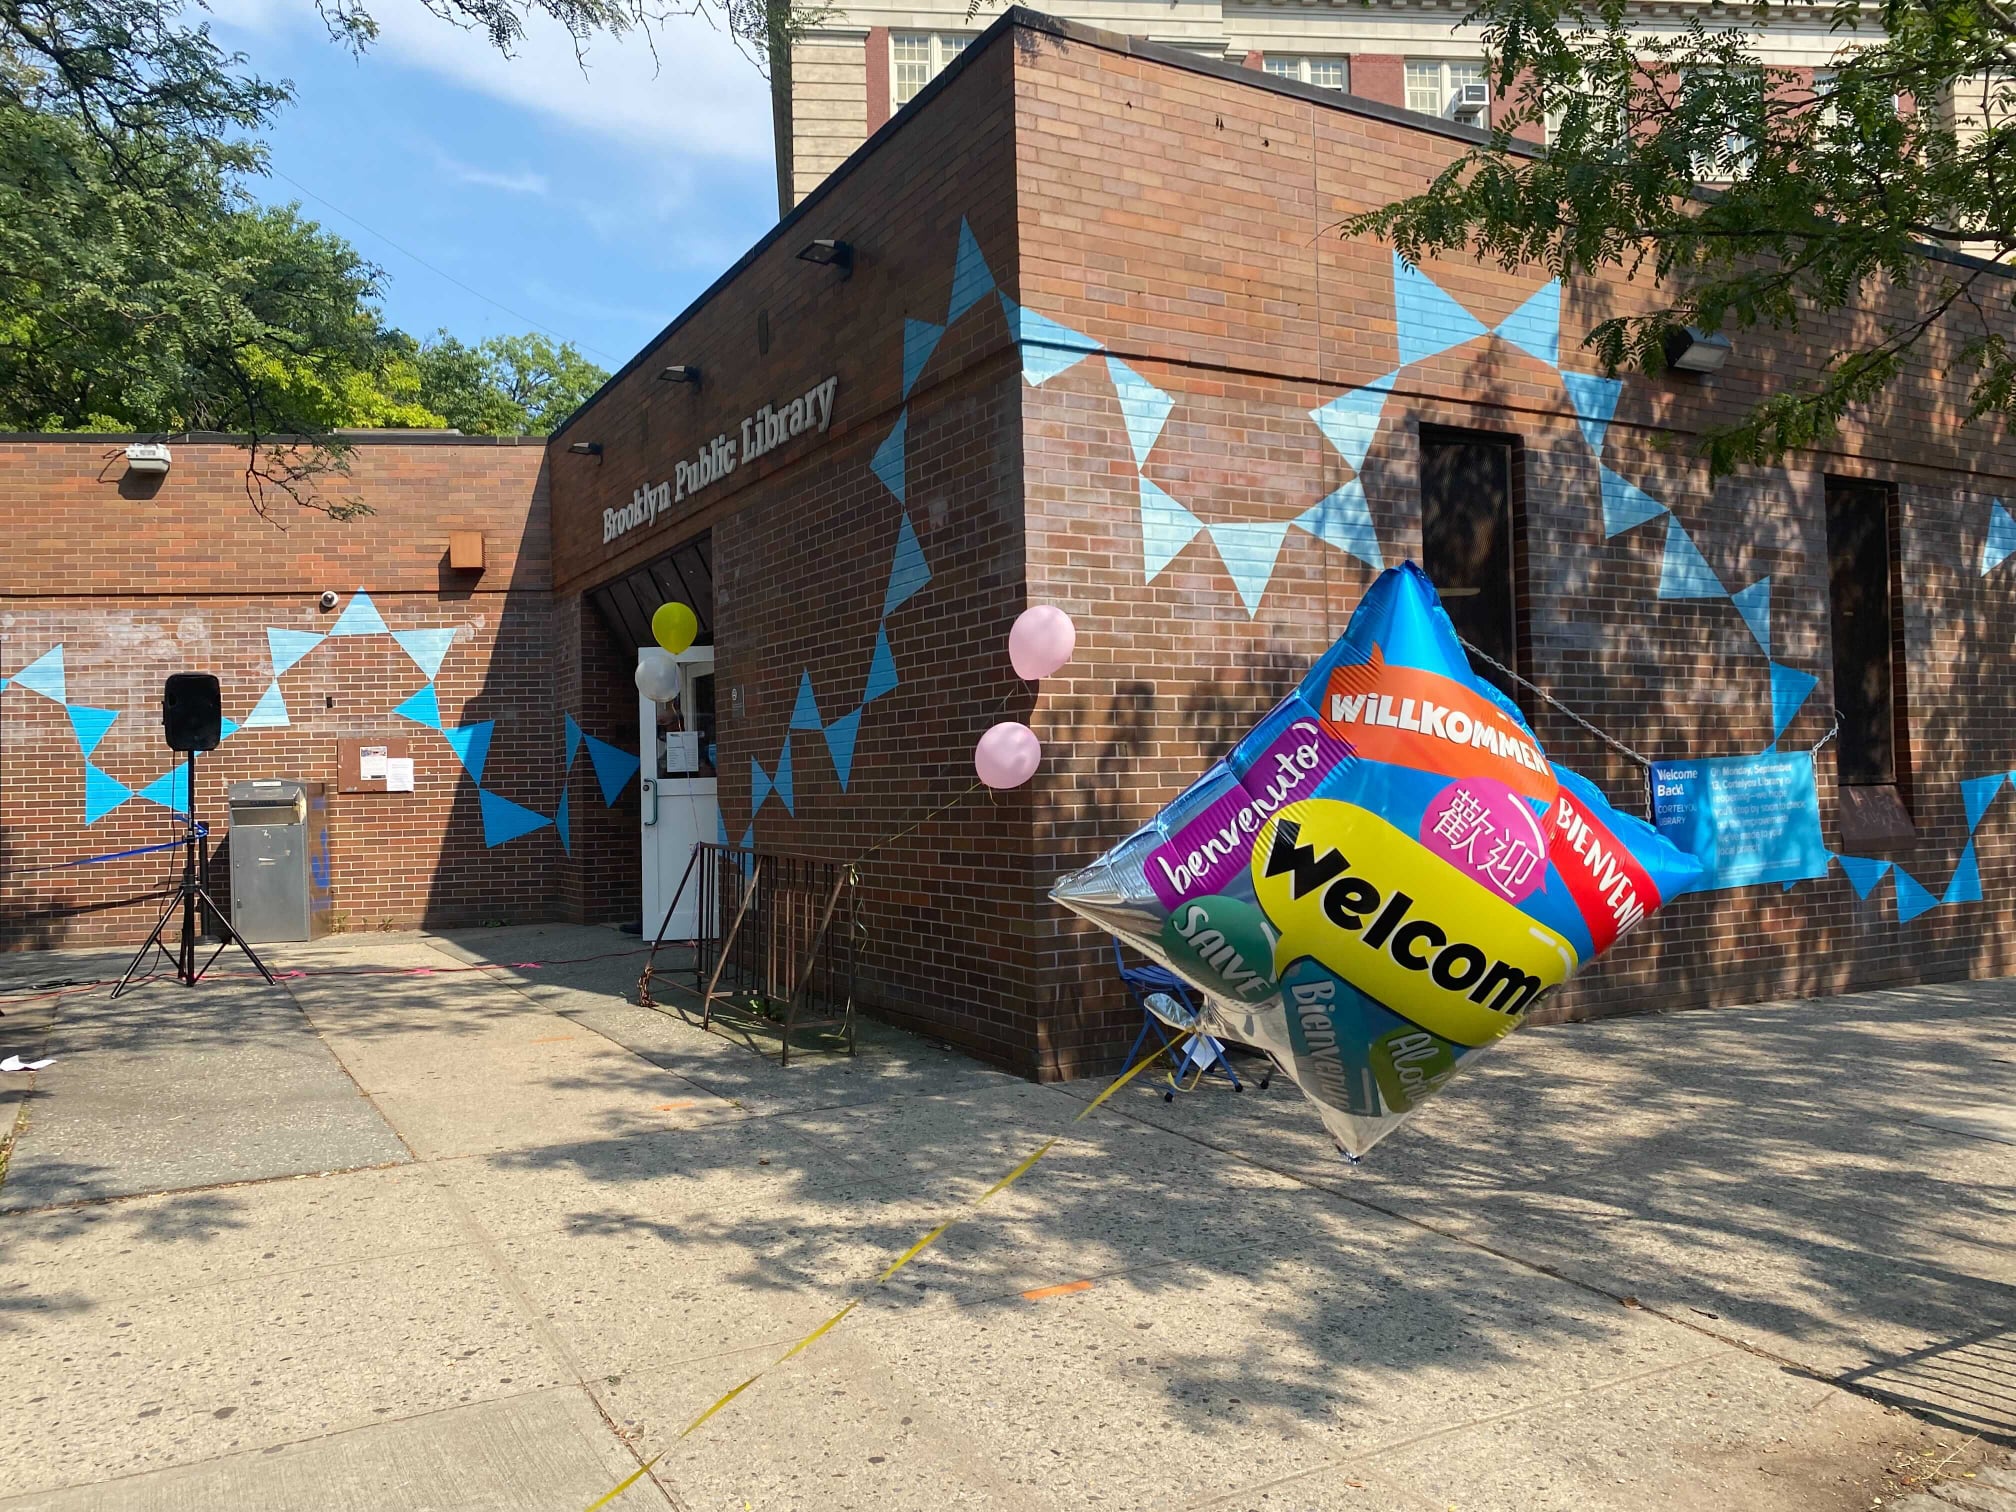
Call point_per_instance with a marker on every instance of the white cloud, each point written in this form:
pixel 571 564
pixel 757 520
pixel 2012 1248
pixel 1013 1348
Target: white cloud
pixel 525 181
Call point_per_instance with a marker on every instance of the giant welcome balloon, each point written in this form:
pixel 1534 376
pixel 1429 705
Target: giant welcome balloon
pixel 1385 876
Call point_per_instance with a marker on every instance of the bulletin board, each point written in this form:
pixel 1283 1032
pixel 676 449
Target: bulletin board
pixel 371 764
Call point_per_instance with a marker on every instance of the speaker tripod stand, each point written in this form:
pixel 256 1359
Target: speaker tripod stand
pixel 190 895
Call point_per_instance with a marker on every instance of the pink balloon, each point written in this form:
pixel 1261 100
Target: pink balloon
pixel 1007 755
pixel 1041 642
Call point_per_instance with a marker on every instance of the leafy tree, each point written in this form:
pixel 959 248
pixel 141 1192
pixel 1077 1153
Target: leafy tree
pixel 505 386
pixel 1757 198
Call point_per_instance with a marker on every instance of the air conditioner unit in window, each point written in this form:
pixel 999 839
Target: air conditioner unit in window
pixel 1470 103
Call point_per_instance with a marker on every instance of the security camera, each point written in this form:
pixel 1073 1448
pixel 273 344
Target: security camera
pixel 327 601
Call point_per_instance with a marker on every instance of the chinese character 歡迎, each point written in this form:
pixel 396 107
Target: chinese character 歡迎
pixel 1463 824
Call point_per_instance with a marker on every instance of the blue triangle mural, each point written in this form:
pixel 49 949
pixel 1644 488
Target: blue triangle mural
pixel 1344 520
pixel 1166 528
pixel 570 731
pixel 1966 884
pixel 887 463
pixel 614 767
pixel 270 713
pixel 1351 420
pixel 1047 347
pixel 227 728
pixel 1626 505
pixel 759 785
pixel 287 647
pixel 2001 542
pixel 1864 872
pixel 908 572
pixel 781 783
pixel 426 647
pixel 1789 687
pixel 1912 900
pixel 1685 574
pixel 805 712
pixel 44 675
pixel 89 725
pixel 920 340
pixel 1144 408
pixel 971 282
pixel 881 669
pixel 1977 793
pixel 471 745
pixel 840 744
pixel 424 707
pixel 1595 401
pixel 562 823
pixel 102 793
pixel 170 790
pixel 359 617
pixel 1754 604
pixel 1535 327
pixel 1428 320
pixel 1249 549
pixel 504 820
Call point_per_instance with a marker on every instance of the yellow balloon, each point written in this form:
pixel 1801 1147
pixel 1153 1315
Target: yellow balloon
pixel 674 626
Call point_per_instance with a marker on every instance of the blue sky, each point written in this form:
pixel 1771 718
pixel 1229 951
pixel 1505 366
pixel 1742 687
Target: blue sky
pixel 592 206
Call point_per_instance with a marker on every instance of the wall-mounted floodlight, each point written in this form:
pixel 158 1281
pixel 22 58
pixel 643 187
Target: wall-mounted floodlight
pixel 586 448
pixel 1695 351
pixel 828 253
pixel 147 459
pixel 684 372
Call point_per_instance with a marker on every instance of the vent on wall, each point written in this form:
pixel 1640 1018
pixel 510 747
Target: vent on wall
pixel 684 574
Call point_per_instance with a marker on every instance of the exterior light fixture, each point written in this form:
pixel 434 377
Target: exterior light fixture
pixel 1690 350
pixel 828 253
pixel 147 459
pixel 586 448
pixel 684 372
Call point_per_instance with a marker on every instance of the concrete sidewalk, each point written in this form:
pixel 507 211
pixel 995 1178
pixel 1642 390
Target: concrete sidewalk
pixel 403 1234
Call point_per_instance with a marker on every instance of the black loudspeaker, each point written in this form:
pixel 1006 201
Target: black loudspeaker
pixel 192 712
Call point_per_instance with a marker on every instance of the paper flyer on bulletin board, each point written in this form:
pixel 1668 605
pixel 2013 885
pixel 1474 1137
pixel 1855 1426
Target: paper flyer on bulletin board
pixel 1748 819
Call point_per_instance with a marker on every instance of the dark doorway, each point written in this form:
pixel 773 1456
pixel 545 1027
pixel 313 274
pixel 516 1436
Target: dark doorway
pixel 1468 544
pixel 1868 639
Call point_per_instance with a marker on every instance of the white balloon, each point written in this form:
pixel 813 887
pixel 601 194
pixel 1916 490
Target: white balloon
pixel 657 675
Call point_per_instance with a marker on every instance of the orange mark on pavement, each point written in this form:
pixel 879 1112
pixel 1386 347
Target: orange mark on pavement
pixel 552 1039
pixel 1056 1291
pixel 684 1102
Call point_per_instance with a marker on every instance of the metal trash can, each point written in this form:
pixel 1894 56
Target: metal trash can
pixel 279 860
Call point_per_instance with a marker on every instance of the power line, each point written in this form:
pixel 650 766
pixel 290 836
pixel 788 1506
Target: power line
pixel 437 272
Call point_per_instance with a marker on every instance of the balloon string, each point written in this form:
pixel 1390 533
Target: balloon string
pixel 952 802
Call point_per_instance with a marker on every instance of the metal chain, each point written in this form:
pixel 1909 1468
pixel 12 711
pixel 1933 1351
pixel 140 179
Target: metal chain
pixel 1832 731
pixel 1615 745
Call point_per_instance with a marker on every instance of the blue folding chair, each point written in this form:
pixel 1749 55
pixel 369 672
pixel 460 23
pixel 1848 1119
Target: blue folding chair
pixel 1203 1052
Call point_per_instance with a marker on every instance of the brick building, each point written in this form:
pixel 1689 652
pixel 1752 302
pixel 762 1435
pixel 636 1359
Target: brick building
pixel 1085 339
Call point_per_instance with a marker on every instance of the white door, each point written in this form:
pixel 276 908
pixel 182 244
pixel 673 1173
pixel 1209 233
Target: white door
pixel 680 803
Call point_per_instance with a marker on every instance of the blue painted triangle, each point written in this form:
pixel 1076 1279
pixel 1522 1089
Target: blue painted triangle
pixel 287 647
pixel 471 745
pixel 504 820
pixel 1166 528
pixel 170 790
pixel 1625 504
pixel 1143 407
pixel 920 340
pixel 44 675
pixel 1864 872
pixel 1535 327
pixel 1912 899
pixel 270 713
pixel 359 617
pixel 1966 884
pixel 1249 549
pixel 424 707
pixel 840 736
pixel 971 282
pixel 2001 542
pixel 782 782
pixel 759 785
pixel 227 728
pixel 563 824
pixel 614 767
pixel 571 732
pixel 1351 420
pixel 1685 574
pixel 1427 319
pixel 805 712
pixel 1048 348
pixel 89 725
pixel 1754 604
pixel 887 463
pixel 881 669
pixel 1977 793
pixel 1344 520
pixel 1789 687
pixel 102 793
pixel 426 647
pixel 908 572
pixel 1595 401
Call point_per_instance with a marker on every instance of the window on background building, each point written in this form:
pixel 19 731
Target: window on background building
pixel 1737 150
pixel 1443 89
pixel 1324 73
pixel 916 58
pixel 1468 519
pixel 1868 639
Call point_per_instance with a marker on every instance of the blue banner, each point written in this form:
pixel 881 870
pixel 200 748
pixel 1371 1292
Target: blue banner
pixel 1745 818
